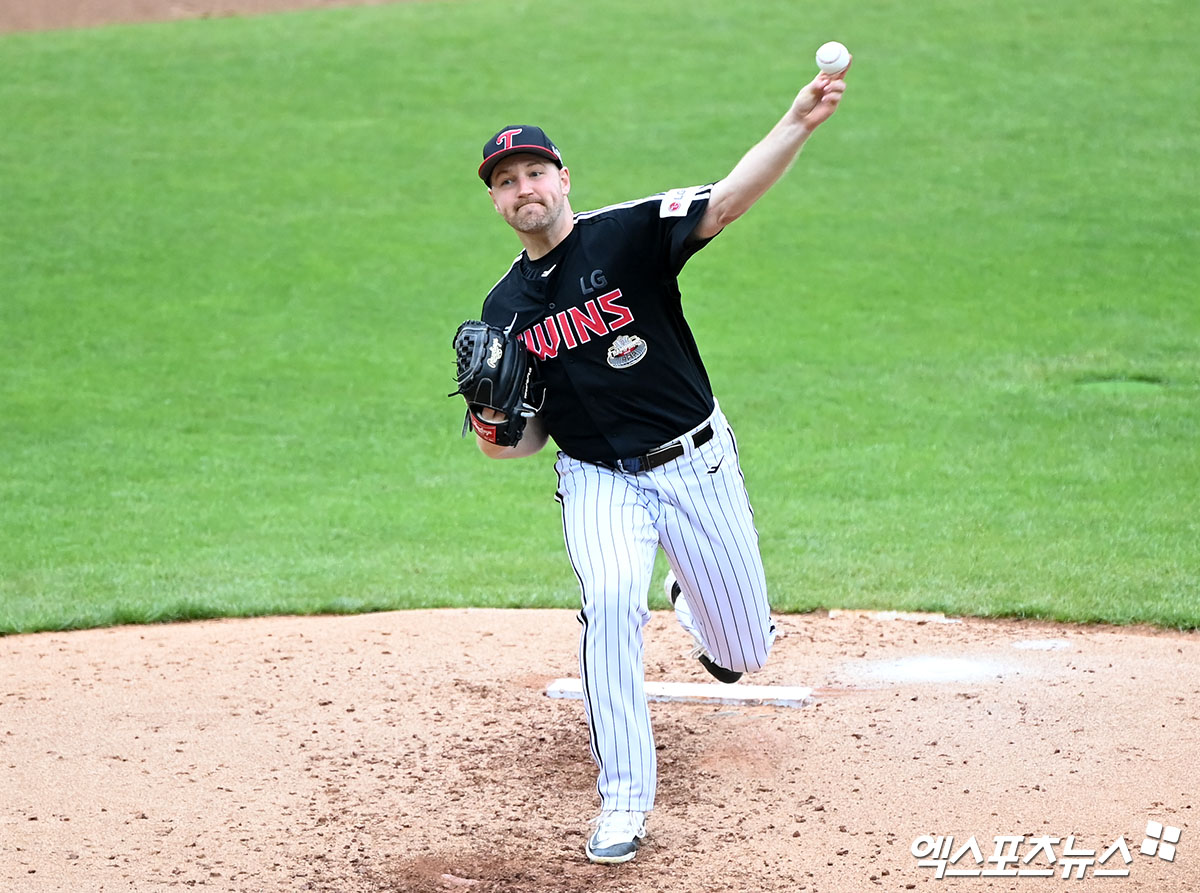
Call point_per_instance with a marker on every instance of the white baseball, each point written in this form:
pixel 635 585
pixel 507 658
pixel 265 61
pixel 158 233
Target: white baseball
pixel 833 57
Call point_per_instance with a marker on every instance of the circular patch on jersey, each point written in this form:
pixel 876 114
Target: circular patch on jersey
pixel 626 351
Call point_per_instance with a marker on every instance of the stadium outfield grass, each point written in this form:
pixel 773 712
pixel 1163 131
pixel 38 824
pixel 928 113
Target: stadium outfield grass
pixel 959 341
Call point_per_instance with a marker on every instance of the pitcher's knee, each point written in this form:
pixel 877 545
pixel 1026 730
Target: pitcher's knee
pixel 749 663
pixel 753 659
pixel 613 609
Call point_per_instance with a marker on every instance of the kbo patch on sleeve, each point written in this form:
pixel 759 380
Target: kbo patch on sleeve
pixel 676 202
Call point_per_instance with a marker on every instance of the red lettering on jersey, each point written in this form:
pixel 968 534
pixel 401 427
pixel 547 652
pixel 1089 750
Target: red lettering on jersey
pixel 505 139
pixel 610 305
pixel 565 325
pixel 574 326
pixel 589 322
pixel 542 339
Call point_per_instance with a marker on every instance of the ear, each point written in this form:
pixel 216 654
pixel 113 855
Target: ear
pixel 493 198
pixel 564 177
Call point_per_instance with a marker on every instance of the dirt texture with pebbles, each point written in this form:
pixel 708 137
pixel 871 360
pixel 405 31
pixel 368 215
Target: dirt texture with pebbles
pixel 418 751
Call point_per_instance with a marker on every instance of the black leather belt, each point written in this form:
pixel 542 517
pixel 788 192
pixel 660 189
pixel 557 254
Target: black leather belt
pixel 662 455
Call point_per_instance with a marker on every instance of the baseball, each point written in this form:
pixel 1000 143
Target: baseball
pixel 833 57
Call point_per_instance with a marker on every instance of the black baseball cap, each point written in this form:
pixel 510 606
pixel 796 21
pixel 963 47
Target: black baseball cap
pixel 513 139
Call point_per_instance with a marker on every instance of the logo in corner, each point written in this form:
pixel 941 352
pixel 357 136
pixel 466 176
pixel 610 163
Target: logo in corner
pixel 626 351
pixel 495 352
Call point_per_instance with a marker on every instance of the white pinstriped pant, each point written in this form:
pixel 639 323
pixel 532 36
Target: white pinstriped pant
pixel 696 508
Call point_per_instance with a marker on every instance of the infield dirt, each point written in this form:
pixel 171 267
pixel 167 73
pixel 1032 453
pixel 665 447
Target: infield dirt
pixel 417 751
pixel 35 15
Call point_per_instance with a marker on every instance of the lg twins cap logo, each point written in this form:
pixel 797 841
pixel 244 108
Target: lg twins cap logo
pixel 506 138
pixel 495 353
pixel 626 351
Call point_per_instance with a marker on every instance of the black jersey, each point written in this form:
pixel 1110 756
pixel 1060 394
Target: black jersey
pixel 602 313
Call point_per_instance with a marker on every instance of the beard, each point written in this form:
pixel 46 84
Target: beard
pixel 536 217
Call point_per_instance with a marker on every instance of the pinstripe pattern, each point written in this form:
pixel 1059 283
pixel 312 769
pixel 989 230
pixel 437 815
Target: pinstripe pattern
pixel 697 510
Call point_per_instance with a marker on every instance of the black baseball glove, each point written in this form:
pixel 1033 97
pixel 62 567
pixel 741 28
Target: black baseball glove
pixel 495 372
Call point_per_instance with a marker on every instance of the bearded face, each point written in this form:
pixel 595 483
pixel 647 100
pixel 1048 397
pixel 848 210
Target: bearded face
pixel 530 193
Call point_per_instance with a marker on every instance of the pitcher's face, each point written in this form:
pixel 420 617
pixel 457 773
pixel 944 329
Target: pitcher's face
pixel 530 192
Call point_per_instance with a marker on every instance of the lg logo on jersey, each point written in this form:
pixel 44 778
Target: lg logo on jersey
pixel 598 281
pixel 598 316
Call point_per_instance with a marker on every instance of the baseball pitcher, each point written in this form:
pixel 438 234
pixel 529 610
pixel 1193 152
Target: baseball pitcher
pixel 584 340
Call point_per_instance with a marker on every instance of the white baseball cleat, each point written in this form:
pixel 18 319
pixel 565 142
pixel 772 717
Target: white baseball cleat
pixel 675 595
pixel 617 837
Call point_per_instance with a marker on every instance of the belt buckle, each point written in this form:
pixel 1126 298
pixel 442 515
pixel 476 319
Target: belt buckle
pixel 631 466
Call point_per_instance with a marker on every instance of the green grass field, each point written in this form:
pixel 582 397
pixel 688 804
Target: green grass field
pixel 960 341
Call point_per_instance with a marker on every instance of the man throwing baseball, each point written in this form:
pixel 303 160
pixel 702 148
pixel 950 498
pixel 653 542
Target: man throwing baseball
pixel 646 458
